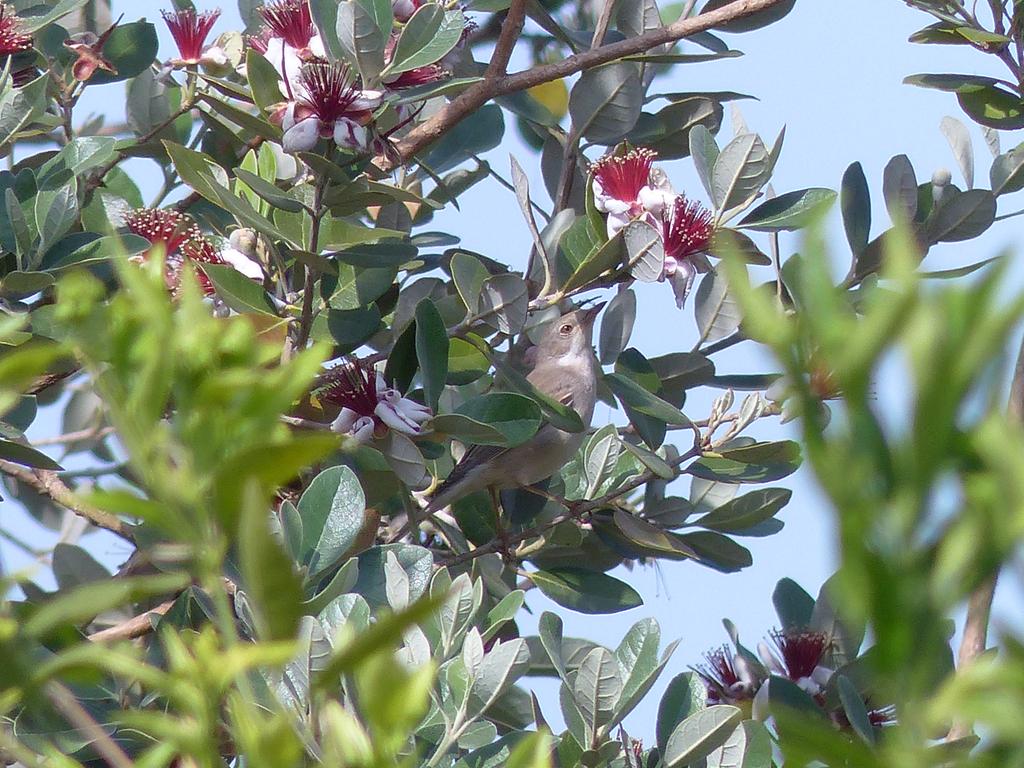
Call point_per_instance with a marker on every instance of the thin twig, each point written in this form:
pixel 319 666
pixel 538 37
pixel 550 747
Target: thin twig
pixel 575 511
pixel 91 433
pixel 135 627
pixel 979 604
pixel 49 484
pixel 480 93
pixel 64 701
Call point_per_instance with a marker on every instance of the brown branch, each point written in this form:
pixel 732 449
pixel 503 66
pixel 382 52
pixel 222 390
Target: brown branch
pixel 49 484
pixel 979 604
pixel 64 701
pixel 477 95
pixel 511 28
pixel 135 627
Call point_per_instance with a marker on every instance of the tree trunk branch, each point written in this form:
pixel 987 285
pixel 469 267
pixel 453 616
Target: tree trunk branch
pixel 50 485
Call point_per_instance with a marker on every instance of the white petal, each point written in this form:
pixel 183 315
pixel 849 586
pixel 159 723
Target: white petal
pixel 655 200
pixel 387 413
pixel 214 56
pixel 778 391
pixel 349 134
pixel 345 421
pixel 759 708
pixel 403 9
pixel 671 265
pixel 367 100
pixel 362 430
pixel 302 136
pixel 288 118
pixel 682 281
pixel 316 47
pixel 821 675
pixel 242 263
pixel 616 206
pixel 808 686
pixel 617 221
pixel 413 410
pixel 659 180
pixel 770 660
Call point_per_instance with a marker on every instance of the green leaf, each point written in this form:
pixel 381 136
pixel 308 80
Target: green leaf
pixel 131 48
pixel 431 350
pixel 751 21
pixel 466 363
pixel 27 456
pixel 597 688
pixel 269 579
pixel 741 170
pixel 899 188
pixel 73 566
pixel 20 107
pixel 962 216
pixel 793 210
pixel 263 80
pixel 586 591
pixel 498 671
pixel 1007 172
pixel 429 34
pixel 704 151
pixel 503 302
pixel 361 34
pixel 384 633
pixel 639 399
pixel 793 605
pixel 685 695
pixel 269 192
pixel 605 102
pixel 746 511
pixel 239 292
pixel 55 212
pixel 645 251
pixel 717 551
pixel 700 734
pixel 479 132
pixel 716 309
pixel 993 107
pixel 325 17
pixel 668 130
pixel 732 471
pixel 200 172
pixel 854 709
pixel 514 417
pixel 557 414
pixel 749 746
pixel 331 509
pixel 855 203
pixel 98 250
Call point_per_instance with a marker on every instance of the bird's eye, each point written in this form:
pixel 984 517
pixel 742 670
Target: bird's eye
pixel 566 329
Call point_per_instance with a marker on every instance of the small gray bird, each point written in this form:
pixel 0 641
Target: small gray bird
pixel 566 370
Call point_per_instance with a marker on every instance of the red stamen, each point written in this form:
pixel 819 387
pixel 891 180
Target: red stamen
pixel 686 228
pixel 330 91
pixel 189 30
pixel 622 177
pixel 419 76
pixel 290 20
pixel 12 39
pixel 801 651
pixel 350 385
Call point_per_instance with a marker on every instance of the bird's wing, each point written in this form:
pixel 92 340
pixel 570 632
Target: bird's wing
pixel 473 457
pixel 556 386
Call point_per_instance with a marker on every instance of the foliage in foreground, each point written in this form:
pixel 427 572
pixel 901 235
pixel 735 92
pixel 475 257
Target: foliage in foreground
pixel 285 602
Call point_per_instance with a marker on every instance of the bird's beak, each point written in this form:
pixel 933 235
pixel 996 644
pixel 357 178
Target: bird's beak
pixel 589 315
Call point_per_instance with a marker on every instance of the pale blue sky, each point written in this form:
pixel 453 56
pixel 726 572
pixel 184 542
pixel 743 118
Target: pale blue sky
pixel 832 74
